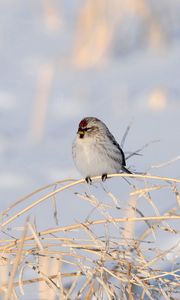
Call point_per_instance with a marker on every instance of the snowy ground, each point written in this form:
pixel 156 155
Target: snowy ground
pixel 142 86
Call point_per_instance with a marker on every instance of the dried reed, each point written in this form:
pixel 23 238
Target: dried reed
pixel 103 258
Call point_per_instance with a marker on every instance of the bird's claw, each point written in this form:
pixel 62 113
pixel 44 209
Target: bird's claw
pixel 88 179
pixel 104 177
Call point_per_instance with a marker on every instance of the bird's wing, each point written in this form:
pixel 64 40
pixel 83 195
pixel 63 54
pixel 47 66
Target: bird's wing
pixel 111 137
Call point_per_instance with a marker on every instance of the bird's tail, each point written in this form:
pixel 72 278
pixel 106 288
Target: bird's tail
pixel 125 170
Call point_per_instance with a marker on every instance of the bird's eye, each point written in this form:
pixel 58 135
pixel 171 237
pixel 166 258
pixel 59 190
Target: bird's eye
pixel 85 129
pixel 88 129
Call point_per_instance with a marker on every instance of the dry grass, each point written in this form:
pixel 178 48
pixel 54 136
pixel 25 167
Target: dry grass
pixel 103 258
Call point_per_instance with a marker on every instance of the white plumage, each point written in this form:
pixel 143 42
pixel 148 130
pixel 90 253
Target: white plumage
pixel 95 150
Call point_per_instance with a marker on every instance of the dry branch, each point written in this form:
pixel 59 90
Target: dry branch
pixel 120 265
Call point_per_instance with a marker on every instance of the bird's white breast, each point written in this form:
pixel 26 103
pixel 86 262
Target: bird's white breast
pixel 91 158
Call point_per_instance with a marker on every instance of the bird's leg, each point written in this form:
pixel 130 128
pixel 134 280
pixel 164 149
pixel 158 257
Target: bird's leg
pixel 104 177
pixel 88 179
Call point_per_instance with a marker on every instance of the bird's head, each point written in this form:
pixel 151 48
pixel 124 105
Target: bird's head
pixel 89 126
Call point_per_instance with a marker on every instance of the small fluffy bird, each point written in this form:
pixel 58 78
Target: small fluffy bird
pixel 95 150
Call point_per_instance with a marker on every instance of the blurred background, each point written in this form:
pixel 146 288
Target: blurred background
pixel 63 60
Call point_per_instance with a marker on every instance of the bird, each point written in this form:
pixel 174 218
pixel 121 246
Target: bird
pixel 96 152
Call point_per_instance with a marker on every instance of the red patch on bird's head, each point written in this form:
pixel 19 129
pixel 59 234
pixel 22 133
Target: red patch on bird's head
pixel 83 123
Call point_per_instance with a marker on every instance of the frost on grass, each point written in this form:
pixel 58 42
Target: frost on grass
pixel 116 252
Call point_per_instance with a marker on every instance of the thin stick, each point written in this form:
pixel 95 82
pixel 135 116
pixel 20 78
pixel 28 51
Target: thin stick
pixel 16 264
pixel 140 149
pixel 80 181
pixel 97 222
pixel 125 134
pixel 34 193
pixel 39 279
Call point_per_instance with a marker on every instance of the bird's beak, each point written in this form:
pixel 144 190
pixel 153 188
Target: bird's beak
pixel 81 133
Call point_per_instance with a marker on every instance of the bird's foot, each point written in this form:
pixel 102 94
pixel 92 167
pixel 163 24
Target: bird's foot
pixel 104 177
pixel 88 179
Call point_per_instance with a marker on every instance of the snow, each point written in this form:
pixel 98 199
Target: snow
pixel 140 85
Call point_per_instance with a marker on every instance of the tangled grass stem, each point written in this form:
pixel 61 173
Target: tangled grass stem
pixel 80 181
pixel 113 265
